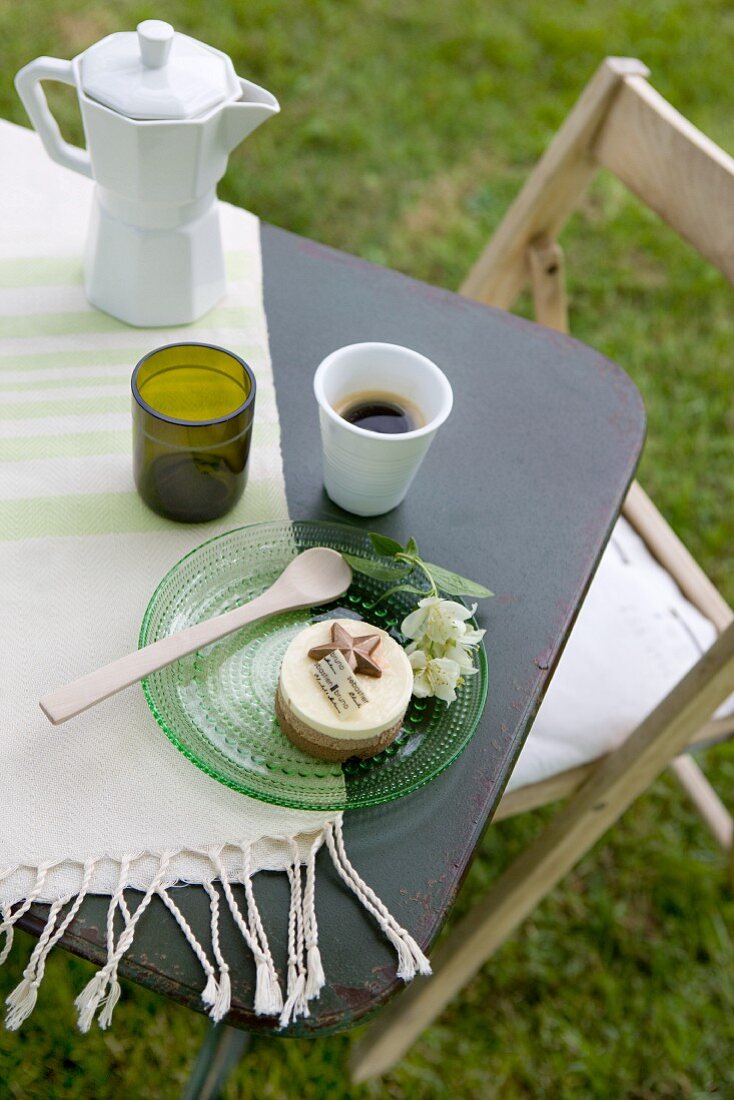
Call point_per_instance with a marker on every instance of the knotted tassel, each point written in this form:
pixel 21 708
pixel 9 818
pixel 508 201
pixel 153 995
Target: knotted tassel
pixel 268 998
pixel 295 999
pixel 209 992
pixel 22 1000
pixel 90 997
pixel 268 995
pixel 88 1000
pixel 105 1016
pixel 296 1003
pixel 21 1003
pixel 407 963
pixel 411 959
pixel 223 998
pixel 315 977
pixel 10 917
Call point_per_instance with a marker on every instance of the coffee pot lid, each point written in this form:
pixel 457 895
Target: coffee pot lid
pixel 157 73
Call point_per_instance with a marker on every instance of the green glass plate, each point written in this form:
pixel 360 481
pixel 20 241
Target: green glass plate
pixel 217 705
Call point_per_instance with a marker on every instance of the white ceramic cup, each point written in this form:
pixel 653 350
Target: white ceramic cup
pixel 368 472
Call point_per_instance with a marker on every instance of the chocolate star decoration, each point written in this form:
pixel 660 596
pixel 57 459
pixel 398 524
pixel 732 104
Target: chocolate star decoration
pixel 356 651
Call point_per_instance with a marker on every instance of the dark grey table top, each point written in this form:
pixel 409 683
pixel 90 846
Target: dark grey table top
pixel 520 491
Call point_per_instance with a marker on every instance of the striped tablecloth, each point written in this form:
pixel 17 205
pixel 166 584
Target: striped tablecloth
pixel 107 802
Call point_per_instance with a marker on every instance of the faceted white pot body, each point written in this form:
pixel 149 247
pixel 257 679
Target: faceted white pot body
pixel 152 276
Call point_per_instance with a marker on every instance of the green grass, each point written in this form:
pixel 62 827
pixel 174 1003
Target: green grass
pixel 407 127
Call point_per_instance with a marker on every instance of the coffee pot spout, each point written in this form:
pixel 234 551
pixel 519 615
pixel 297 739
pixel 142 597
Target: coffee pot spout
pixel 243 116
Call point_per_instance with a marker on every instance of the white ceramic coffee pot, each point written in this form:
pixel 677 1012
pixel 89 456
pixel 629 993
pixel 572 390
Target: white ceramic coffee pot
pixel 161 114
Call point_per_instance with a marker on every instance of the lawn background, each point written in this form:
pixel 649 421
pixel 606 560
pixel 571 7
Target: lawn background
pixel 407 127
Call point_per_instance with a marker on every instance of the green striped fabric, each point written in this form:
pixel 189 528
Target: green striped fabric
pixel 110 803
pixel 33 271
pixel 65 425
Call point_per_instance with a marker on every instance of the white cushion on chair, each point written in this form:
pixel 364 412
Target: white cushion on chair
pixel 635 637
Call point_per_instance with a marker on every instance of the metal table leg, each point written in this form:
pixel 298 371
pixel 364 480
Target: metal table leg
pixel 219 1054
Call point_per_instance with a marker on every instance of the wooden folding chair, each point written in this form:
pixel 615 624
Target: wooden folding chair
pixel 622 124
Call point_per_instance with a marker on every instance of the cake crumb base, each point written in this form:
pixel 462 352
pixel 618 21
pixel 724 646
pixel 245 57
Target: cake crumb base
pixel 322 746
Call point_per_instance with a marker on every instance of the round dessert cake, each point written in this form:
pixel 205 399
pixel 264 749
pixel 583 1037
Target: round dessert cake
pixel 343 690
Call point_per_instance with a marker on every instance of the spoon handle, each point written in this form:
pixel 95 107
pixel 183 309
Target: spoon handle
pixel 83 693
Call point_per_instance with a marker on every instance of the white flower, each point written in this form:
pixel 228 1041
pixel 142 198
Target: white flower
pixel 471 638
pixel 462 657
pixel 440 647
pixel 455 651
pixel 437 621
pixel 434 676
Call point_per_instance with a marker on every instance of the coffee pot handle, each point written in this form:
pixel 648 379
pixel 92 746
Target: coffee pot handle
pixel 28 83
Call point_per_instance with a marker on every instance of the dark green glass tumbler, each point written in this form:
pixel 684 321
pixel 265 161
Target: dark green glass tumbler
pixel 193 408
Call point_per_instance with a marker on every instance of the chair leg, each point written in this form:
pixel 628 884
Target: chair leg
pixel 603 798
pixel 712 810
pixel 219 1054
pixel 548 280
pixel 673 555
pixel 471 943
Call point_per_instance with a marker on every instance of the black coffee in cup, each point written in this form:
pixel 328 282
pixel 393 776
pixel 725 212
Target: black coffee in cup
pixel 378 411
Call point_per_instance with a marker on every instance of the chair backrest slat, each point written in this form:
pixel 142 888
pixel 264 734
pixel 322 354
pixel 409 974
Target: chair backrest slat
pixel 620 123
pixel 551 191
pixel 672 167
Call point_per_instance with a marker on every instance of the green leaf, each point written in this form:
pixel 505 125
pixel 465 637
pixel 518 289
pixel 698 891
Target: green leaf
pixel 456 584
pixel 411 547
pixel 377 570
pixel 401 588
pixel 384 545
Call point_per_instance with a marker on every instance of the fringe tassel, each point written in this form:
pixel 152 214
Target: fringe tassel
pixel 21 1003
pixel 315 978
pixel 105 1016
pixel 267 993
pixel 22 1000
pixel 291 1007
pixel 223 998
pixel 9 918
pixel 209 992
pixel 297 1002
pixel 89 999
pixel 305 973
pixel 117 900
pixel 292 990
pixel 411 959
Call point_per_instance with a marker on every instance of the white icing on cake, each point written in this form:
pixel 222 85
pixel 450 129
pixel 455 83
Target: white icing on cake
pixel 388 694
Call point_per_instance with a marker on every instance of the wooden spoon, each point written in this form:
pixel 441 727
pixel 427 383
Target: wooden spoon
pixel 316 576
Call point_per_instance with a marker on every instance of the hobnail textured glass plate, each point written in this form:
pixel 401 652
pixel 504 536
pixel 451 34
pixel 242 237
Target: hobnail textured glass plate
pixel 217 705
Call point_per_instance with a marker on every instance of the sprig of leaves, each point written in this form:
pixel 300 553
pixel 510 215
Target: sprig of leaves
pixel 402 561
